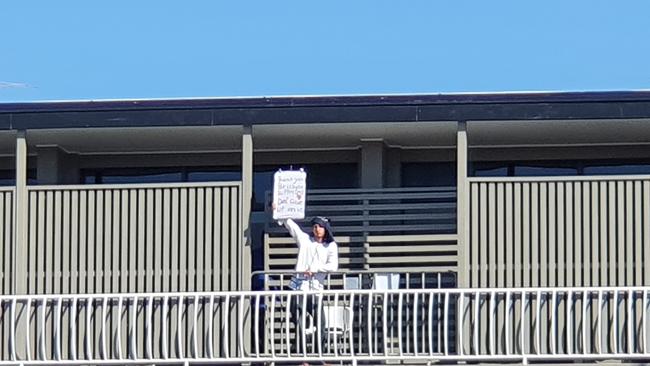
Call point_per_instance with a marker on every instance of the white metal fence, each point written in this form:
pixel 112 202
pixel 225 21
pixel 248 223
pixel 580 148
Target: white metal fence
pixel 504 325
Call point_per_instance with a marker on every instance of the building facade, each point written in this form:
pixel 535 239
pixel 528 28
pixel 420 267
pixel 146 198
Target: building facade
pixel 544 194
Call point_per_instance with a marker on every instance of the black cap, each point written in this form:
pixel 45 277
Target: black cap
pixel 325 223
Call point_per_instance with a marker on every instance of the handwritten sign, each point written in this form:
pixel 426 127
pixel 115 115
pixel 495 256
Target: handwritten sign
pixel 289 191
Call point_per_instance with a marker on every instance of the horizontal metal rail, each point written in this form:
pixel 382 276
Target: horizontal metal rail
pixel 493 325
pixel 562 178
pixel 361 279
pixel 101 187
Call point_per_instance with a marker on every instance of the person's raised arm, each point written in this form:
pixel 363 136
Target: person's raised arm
pixel 295 231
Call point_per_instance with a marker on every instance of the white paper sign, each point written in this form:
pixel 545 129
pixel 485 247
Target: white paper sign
pixel 289 194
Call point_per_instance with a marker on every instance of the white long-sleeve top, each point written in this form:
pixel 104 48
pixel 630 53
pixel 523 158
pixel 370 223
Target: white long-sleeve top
pixel 314 257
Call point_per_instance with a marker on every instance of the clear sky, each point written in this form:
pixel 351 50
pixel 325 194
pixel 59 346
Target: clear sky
pixel 118 49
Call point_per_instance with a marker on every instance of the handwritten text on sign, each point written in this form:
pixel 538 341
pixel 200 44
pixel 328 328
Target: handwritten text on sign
pixel 289 193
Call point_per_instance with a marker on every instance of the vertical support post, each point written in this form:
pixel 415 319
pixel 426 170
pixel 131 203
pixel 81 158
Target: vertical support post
pixel 372 163
pixel 246 240
pixel 19 267
pixel 462 230
pixel 20 242
pixel 247 197
pixel 462 208
pixel 48 164
pixel 56 166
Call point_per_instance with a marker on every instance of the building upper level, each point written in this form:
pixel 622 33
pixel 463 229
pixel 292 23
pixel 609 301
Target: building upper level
pixel 535 202
pixel 373 141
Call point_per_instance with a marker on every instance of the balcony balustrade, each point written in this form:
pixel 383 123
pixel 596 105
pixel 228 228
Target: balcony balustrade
pixel 556 268
pixel 426 325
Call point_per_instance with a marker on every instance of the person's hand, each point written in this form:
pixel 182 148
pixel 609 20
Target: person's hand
pixel 309 273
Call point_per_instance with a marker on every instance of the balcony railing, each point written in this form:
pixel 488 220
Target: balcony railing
pixel 495 325
pixel 354 280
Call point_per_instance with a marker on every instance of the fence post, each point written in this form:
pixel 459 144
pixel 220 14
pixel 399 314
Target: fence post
pixel 20 242
pixel 462 207
pixel 19 265
pixel 462 228
pixel 246 203
pixel 246 241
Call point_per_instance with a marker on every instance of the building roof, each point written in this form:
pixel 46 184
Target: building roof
pixel 326 109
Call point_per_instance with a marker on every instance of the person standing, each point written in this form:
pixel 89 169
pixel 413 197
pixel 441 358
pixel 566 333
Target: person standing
pixel 317 255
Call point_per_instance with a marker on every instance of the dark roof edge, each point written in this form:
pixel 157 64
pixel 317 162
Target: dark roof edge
pixel 328 101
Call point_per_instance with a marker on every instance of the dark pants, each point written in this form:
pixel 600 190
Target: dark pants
pixel 318 320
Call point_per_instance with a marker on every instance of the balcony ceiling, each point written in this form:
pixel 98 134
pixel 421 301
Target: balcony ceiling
pixel 340 135
pixel 336 136
pixel 136 139
pixel 226 138
pixel 560 133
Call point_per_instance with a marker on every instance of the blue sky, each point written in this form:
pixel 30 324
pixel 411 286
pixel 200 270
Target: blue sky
pixel 60 50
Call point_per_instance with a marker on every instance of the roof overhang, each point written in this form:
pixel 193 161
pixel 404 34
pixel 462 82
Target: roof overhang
pixel 299 123
pixel 325 109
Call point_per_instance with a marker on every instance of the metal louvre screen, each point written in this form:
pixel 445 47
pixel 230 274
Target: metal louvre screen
pixel 390 229
pixel 6 255
pixel 6 239
pixel 560 233
pixel 556 233
pixel 133 238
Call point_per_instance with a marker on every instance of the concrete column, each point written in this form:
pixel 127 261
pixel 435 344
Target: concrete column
pixel 462 208
pixel 247 197
pixel 372 163
pixel 55 166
